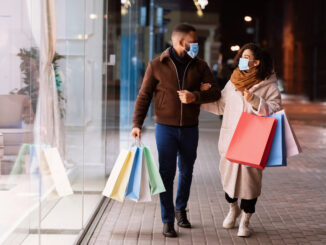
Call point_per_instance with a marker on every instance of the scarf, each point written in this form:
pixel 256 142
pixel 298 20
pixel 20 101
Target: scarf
pixel 244 79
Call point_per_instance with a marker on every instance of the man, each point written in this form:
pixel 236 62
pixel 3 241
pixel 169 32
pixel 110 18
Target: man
pixel 175 78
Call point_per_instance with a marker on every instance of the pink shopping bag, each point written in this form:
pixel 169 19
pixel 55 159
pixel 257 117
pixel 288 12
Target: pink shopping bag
pixel 291 141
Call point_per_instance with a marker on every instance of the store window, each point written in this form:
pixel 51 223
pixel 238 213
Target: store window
pixel 52 118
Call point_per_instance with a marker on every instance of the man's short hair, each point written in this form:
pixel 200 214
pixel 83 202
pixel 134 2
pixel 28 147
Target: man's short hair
pixel 183 28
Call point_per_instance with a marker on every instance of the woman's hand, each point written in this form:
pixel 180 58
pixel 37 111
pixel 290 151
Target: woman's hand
pixel 247 95
pixel 186 97
pixel 205 86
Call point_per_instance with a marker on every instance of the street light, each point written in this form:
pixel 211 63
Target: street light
pixel 124 6
pixel 202 3
pixel 199 8
pixel 235 48
pixel 248 18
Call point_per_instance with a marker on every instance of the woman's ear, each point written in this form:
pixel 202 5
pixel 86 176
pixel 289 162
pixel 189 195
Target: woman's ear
pixel 256 62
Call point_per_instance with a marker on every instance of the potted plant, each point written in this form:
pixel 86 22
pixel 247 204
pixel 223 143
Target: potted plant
pixel 30 69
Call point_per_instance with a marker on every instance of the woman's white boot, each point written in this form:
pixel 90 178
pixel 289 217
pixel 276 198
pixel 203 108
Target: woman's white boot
pixel 244 230
pixel 233 214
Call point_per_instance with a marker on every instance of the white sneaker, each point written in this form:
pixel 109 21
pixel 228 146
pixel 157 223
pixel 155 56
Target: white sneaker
pixel 244 230
pixel 233 214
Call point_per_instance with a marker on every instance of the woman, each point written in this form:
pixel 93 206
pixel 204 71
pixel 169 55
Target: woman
pixel 252 88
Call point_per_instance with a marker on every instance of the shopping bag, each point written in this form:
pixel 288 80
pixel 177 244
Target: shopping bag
pixel 155 180
pixel 116 185
pixel 292 144
pixel 140 190
pixel 58 172
pixel 133 188
pixel 145 193
pixel 38 163
pixel 20 166
pixel 251 142
pixel 34 159
pixel 277 155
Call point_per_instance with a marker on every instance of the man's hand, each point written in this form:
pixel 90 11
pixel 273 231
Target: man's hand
pixel 186 97
pixel 247 95
pixel 205 86
pixel 136 133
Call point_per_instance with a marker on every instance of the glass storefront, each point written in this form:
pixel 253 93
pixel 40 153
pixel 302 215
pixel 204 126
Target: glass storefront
pixel 53 97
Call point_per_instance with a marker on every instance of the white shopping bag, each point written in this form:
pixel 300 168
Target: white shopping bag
pixel 145 193
pixel 291 141
pixel 55 165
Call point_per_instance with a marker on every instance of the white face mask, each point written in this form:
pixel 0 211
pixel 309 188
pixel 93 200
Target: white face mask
pixel 243 64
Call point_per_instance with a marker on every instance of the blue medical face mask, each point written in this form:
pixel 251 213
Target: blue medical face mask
pixel 243 64
pixel 193 51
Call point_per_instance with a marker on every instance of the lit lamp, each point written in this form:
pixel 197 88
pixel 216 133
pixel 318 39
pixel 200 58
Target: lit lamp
pixel 235 48
pixel 124 6
pixel 93 16
pixel 200 5
pixel 248 18
pixel 251 30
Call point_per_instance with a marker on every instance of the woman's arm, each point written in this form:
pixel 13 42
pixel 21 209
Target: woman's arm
pixel 269 104
pixel 216 107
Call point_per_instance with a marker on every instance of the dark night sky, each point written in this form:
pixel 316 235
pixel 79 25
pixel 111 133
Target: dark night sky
pixel 233 26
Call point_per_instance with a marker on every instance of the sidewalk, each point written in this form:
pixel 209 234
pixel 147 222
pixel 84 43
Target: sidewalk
pixel 291 209
pixel 301 111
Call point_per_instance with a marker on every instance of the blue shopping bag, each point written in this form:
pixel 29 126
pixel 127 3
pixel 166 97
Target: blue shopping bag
pixel 133 188
pixel 277 155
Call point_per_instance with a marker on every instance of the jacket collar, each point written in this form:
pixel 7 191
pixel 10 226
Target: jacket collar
pixel 165 55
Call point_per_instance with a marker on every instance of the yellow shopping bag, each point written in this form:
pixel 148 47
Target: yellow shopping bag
pixel 118 180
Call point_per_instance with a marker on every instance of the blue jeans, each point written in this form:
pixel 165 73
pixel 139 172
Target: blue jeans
pixel 173 143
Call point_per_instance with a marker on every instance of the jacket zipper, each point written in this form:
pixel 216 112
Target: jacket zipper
pixel 176 70
pixel 183 81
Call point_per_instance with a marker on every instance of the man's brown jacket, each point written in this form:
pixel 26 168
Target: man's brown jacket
pixel 161 80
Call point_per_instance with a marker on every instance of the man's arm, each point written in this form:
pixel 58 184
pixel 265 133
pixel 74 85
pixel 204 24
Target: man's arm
pixel 144 98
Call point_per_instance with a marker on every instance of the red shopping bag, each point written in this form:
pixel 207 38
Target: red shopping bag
pixel 252 140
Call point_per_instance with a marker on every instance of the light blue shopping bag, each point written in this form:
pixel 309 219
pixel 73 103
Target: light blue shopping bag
pixel 133 188
pixel 277 155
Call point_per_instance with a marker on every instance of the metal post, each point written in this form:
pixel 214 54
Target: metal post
pixel 151 31
pixel 151 42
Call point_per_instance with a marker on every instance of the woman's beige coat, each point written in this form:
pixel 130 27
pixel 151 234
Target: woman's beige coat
pixel 238 180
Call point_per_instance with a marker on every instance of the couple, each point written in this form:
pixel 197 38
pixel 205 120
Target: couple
pixel 181 82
